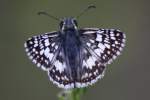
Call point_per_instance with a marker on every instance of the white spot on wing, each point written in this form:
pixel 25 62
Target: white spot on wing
pixel 123 40
pixel 30 42
pixel 118 53
pixel 112 34
pixel 100 31
pixel 92 41
pixel 98 52
pixel 51 56
pixel 41 52
pixel 88 44
pixel 56 46
pixel 35 45
pixel 38 65
pixel 91 62
pixel 48 54
pixel 116 42
pixel 26 49
pixel 101 46
pixel 89 32
pixel 34 61
pixel 47 42
pixel 113 38
pixel 107 45
pixel 53 44
pixel 59 66
pixel 99 38
pixel 35 42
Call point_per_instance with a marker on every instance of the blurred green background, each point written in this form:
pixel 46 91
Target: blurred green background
pixel 127 78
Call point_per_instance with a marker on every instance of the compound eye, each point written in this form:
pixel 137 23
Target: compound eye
pixel 75 22
pixel 61 24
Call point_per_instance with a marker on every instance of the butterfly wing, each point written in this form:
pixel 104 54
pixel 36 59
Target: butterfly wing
pixel 59 74
pixel 106 43
pixel 100 47
pixel 43 49
pixel 46 52
pixel 92 68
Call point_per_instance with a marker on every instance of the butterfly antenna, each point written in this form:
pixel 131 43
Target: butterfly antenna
pixel 45 13
pixel 86 9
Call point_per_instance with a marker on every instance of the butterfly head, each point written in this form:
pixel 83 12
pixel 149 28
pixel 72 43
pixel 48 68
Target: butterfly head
pixel 68 24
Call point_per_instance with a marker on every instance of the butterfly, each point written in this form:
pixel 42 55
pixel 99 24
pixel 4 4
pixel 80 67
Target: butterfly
pixel 73 57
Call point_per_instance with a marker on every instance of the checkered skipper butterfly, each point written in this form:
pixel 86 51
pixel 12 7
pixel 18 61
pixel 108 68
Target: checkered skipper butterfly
pixel 73 57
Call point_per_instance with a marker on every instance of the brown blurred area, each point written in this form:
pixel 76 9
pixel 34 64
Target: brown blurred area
pixel 127 78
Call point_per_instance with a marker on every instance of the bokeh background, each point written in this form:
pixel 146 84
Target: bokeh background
pixel 127 78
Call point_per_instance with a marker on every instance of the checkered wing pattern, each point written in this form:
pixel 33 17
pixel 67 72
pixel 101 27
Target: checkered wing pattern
pixel 43 49
pixel 92 68
pixel 101 46
pixel 98 48
pixel 46 52
pixel 105 43
pixel 59 73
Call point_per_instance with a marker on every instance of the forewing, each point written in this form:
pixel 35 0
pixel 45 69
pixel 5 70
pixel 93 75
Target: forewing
pixel 100 46
pixel 106 43
pixel 42 49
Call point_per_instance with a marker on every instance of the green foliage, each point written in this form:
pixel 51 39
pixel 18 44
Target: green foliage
pixel 73 94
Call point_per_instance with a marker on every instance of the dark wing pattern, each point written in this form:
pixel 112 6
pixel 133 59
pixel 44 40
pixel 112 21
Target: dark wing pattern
pixel 46 52
pixel 101 46
pixel 58 73
pixel 92 69
pixel 43 49
pixel 106 43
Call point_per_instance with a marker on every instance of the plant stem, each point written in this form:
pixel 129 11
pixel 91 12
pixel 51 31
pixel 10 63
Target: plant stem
pixel 73 94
